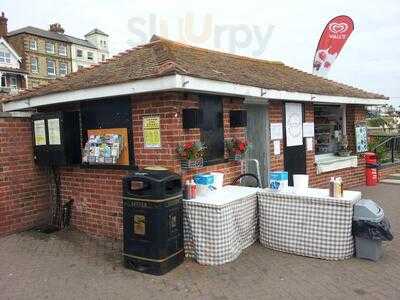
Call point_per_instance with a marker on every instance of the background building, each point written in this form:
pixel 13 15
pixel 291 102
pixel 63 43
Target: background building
pixel 12 77
pixel 93 49
pixel 46 54
pixel 49 54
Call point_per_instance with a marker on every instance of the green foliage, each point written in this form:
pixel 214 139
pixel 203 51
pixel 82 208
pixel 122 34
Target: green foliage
pixel 382 151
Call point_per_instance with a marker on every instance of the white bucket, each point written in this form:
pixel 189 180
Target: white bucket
pixel 300 182
pixel 218 179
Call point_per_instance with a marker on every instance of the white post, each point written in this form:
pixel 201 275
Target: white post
pixel 26 81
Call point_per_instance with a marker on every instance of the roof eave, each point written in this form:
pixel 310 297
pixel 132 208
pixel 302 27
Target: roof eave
pixel 179 82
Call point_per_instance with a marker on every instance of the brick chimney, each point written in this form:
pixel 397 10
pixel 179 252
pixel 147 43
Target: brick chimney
pixel 56 27
pixel 3 26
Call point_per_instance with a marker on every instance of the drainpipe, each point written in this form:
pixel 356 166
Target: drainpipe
pixel 26 81
pixel 344 121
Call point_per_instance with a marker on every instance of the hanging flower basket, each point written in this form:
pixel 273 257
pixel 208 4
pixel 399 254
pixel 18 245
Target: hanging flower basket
pixel 236 149
pixel 188 164
pixel 191 155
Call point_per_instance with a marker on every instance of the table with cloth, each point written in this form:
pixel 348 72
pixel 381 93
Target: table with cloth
pixel 307 222
pixel 218 226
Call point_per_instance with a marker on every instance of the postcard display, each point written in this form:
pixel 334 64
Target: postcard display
pixel 103 149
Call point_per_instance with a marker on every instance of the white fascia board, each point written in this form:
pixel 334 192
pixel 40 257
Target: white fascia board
pixel 225 88
pixel 135 87
pixel 182 83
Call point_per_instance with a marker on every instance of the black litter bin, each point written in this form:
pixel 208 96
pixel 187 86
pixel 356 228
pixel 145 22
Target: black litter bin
pixel 152 218
pixel 370 228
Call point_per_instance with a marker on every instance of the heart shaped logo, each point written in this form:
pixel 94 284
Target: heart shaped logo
pixel 338 27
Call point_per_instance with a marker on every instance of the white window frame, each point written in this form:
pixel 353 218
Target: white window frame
pixel 61 67
pixel 13 82
pixel 79 51
pixel 52 48
pixel 36 65
pixel 54 68
pixel 5 57
pixel 34 44
pixel 62 46
pixel 90 55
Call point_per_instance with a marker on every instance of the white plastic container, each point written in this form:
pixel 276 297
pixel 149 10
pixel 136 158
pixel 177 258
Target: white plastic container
pixel 300 182
pixel 218 179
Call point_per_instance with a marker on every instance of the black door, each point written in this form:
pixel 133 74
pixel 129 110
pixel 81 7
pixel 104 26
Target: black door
pixel 294 155
pixel 212 128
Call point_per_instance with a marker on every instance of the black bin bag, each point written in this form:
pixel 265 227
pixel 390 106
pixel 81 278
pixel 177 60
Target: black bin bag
pixel 376 231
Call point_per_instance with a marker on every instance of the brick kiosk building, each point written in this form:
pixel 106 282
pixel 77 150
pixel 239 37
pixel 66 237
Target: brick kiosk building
pixel 161 79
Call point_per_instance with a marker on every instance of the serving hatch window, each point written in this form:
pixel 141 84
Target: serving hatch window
pixel 329 122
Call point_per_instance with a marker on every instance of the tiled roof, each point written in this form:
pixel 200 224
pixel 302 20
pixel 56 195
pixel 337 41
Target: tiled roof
pixel 96 31
pixel 52 35
pixel 81 42
pixel 163 57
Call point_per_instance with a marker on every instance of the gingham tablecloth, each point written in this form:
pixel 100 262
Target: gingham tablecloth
pixel 218 227
pixel 311 224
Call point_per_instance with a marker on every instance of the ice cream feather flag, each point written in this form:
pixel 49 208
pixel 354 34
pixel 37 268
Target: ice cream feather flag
pixel 332 40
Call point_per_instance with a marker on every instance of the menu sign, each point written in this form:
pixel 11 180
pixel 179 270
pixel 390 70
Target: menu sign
pixel 40 132
pixel 53 126
pixel 294 124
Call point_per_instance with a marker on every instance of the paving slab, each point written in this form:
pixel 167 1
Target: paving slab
pixel 71 265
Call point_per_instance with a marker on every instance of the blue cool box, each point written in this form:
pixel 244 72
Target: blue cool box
pixel 278 180
pixel 204 179
pixel 278 176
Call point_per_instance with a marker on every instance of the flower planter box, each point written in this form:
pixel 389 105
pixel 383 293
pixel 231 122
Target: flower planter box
pixel 236 157
pixel 192 163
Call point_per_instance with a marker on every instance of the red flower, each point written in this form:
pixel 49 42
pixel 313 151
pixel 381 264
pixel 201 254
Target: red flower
pixel 242 147
pixel 188 145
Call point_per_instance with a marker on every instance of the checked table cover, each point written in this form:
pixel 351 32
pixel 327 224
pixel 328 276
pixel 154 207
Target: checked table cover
pixel 306 225
pixel 217 234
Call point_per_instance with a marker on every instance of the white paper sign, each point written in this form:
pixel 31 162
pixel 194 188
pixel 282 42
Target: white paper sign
pixel 277 147
pixel 53 126
pixel 40 132
pixel 309 144
pixel 308 129
pixel 276 131
pixel 294 124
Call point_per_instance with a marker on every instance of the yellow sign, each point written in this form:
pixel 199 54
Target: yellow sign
pixel 151 132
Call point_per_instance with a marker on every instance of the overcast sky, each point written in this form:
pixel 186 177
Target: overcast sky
pixel 285 30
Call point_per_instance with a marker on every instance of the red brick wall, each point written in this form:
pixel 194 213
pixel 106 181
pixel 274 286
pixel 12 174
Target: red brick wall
pixel 275 111
pixel 24 187
pixel 387 170
pixel 97 193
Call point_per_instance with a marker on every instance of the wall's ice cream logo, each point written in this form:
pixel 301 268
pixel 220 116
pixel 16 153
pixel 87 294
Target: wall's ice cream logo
pixel 338 30
pixel 332 40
